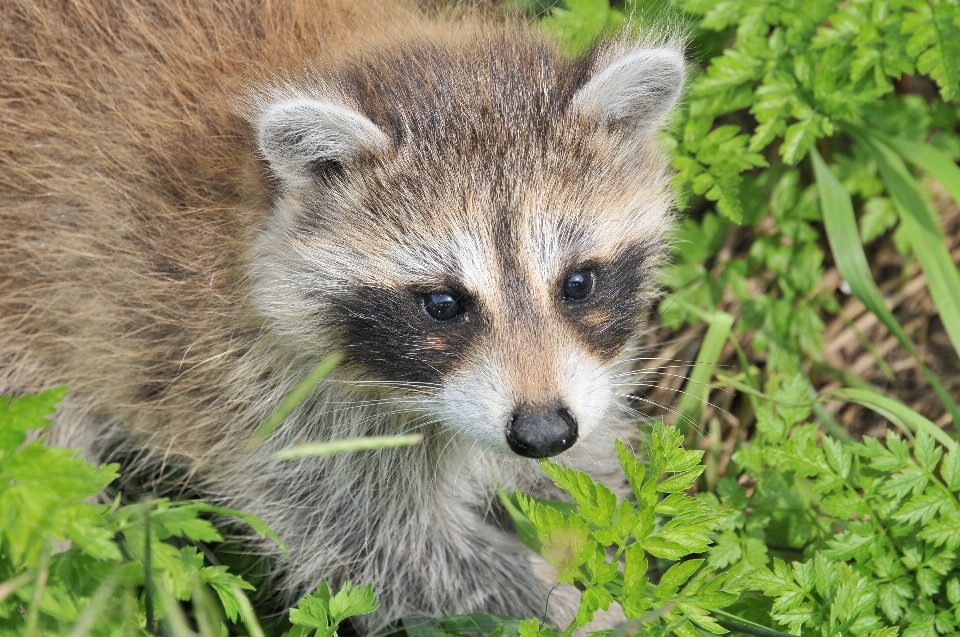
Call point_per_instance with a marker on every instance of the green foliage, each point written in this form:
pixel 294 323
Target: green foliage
pixel 877 526
pixel 320 613
pixel 67 563
pixel 604 546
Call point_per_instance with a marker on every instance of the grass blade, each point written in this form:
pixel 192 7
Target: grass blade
pixel 922 228
pixel 526 532
pixel 207 613
pixel 252 521
pixel 293 399
pixel 246 613
pixel 33 611
pixel 696 393
pixel 894 411
pixel 91 613
pixel 749 629
pixel 11 585
pixel 421 627
pixel 847 249
pixel 482 624
pixel 148 583
pixel 313 449
pixel 930 159
pixel 175 619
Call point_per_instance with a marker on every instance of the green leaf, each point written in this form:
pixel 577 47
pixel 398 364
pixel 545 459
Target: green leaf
pixel 950 471
pixel 258 525
pixel 295 396
pixel 841 227
pixel 730 70
pixel 935 40
pixel 351 601
pixel 923 507
pixel 333 447
pixel 632 469
pixel 847 545
pixel 840 459
pixel 681 481
pixel 579 23
pixel 696 393
pixel 928 581
pixel 532 628
pixel 798 139
pixel 313 610
pixel 526 531
pixel 894 598
pixel 908 480
pixel 942 532
pixel 564 543
pixel 879 216
pixel 224 584
pixel 921 226
pixel 931 159
pixel 659 547
pixel 597 502
pixel 894 411
pixel 675 577
pixel 701 618
pixel 247 614
pixel 593 599
pixel 634 570
pixel 31 411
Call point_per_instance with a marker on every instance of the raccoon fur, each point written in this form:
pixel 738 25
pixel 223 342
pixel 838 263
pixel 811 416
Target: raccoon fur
pixel 200 200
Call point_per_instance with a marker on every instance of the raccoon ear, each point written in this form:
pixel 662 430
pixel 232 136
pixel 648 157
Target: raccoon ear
pixel 298 135
pixel 637 90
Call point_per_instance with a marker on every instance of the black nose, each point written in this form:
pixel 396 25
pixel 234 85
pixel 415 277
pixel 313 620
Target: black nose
pixel 541 433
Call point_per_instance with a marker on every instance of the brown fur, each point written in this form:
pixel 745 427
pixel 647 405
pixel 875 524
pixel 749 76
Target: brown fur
pixel 128 175
pixel 136 218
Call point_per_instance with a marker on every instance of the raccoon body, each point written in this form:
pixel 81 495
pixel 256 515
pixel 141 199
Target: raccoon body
pixel 201 200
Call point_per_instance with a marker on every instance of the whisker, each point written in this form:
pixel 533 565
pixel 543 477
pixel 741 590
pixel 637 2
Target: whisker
pixel 686 419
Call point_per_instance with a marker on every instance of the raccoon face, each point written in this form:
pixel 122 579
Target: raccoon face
pixel 483 244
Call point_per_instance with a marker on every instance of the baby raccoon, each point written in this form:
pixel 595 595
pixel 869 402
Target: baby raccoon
pixel 201 200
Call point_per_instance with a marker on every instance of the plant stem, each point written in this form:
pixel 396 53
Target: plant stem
pixel 746 629
pixel 33 614
pixel 148 571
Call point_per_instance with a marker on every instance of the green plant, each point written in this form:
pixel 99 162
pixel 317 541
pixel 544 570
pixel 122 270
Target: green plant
pixel 603 545
pixel 320 613
pixel 70 565
pixel 877 528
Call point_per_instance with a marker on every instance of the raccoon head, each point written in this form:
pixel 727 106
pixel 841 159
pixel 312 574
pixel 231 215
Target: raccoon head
pixel 475 227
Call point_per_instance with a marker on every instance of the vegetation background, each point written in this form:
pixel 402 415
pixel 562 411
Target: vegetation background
pixel 801 468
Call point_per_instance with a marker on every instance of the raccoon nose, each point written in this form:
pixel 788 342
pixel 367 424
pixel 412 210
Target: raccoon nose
pixel 541 433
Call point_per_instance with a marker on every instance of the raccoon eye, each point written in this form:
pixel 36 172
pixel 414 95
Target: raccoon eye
pixel 579 285
pixel 442 306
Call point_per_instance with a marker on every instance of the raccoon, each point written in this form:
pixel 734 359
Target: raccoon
pixel 202 199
